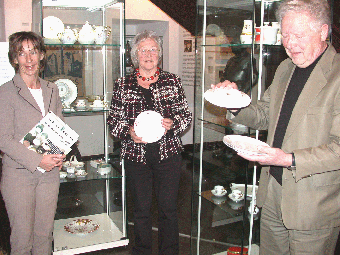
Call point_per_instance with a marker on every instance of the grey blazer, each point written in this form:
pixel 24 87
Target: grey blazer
pixel 311 194
pixel 19 112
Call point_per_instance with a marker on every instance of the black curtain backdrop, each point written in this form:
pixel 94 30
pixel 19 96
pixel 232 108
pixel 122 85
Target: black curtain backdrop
pixel 182 11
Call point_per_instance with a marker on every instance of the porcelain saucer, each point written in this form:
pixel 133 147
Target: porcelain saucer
pixel 218 195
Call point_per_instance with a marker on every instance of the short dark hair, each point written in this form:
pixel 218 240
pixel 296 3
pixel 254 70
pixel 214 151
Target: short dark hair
pixel 15 46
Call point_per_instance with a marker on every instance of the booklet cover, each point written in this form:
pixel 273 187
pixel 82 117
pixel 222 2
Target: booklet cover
pixel 50 136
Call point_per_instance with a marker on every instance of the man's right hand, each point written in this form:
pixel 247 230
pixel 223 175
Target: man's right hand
pixel 226 84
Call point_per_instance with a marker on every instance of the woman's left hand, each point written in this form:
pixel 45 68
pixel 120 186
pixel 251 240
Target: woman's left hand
pixel 167 124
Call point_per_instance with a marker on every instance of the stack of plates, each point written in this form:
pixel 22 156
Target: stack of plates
pixel 244 144
pixel 228 98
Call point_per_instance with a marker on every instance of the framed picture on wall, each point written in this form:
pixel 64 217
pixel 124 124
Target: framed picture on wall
pixel 66 63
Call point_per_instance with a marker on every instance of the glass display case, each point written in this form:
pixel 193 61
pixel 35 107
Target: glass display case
pixel 85 55
pixel 230 46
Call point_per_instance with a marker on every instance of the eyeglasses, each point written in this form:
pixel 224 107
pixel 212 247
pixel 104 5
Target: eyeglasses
pixel 153 51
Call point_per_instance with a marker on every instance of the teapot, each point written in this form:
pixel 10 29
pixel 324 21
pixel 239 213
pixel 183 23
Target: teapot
pixel 86 34
pixel 69 36
pixel 101 34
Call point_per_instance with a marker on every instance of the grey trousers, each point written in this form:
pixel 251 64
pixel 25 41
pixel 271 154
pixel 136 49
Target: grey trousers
pixel 31 202
pixel 276 239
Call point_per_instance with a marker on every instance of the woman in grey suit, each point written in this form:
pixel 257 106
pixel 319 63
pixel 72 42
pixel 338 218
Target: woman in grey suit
pixel 30 181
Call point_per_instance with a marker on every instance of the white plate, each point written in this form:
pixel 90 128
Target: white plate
pixel 148 125
pixel 52 26
pixel 81 226
pixel 219 195
pixel 244 144
pixel 236 199
pixel 228 98
pixel 67 90
pixel 241 187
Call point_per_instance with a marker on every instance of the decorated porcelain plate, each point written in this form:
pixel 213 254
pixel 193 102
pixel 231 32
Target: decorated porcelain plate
pixel 148 125
pixel 244 144
pixel 52 26
pixel 81 226
pixel 228 98
pixel 67 90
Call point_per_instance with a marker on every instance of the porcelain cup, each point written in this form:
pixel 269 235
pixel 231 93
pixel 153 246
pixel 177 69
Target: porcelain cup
pixel 70 170
pixel 219 189
pixel 80 171
pixel 237 193
pixel 81 103
pixel 269 34
pixel 246 39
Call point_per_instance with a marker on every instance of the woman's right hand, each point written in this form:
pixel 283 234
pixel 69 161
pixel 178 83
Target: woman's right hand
pixel 134 137
pixel 50 161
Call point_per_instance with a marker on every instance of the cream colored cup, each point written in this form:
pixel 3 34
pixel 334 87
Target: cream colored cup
pixel 219 189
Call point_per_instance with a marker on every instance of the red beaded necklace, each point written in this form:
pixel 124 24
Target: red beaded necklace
pixel 147 79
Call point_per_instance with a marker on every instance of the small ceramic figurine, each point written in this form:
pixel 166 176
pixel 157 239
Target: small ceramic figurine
pixel 86 34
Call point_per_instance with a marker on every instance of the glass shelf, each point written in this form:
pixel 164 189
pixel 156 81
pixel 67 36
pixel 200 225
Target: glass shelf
pixel 80 45
pixel 83 112
pixel 239 45
pixel 92 174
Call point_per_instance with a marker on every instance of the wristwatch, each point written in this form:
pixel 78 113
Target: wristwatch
pixel 293 166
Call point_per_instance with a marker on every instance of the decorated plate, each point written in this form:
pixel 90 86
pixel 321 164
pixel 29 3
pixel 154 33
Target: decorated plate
pixel 67 90
pixel 81 226
pixel 228 98
pixel 244 144
pixel 148 125
pixel 52 26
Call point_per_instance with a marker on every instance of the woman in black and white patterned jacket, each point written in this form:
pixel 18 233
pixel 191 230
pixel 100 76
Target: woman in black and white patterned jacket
pixel 154 164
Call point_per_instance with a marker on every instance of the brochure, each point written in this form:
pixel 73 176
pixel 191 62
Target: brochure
pixel 50 136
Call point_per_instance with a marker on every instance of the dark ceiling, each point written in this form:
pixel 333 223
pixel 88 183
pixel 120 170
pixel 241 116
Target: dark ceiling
pixel 182 11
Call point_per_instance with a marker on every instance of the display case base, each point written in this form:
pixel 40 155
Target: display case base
pixel 107 236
